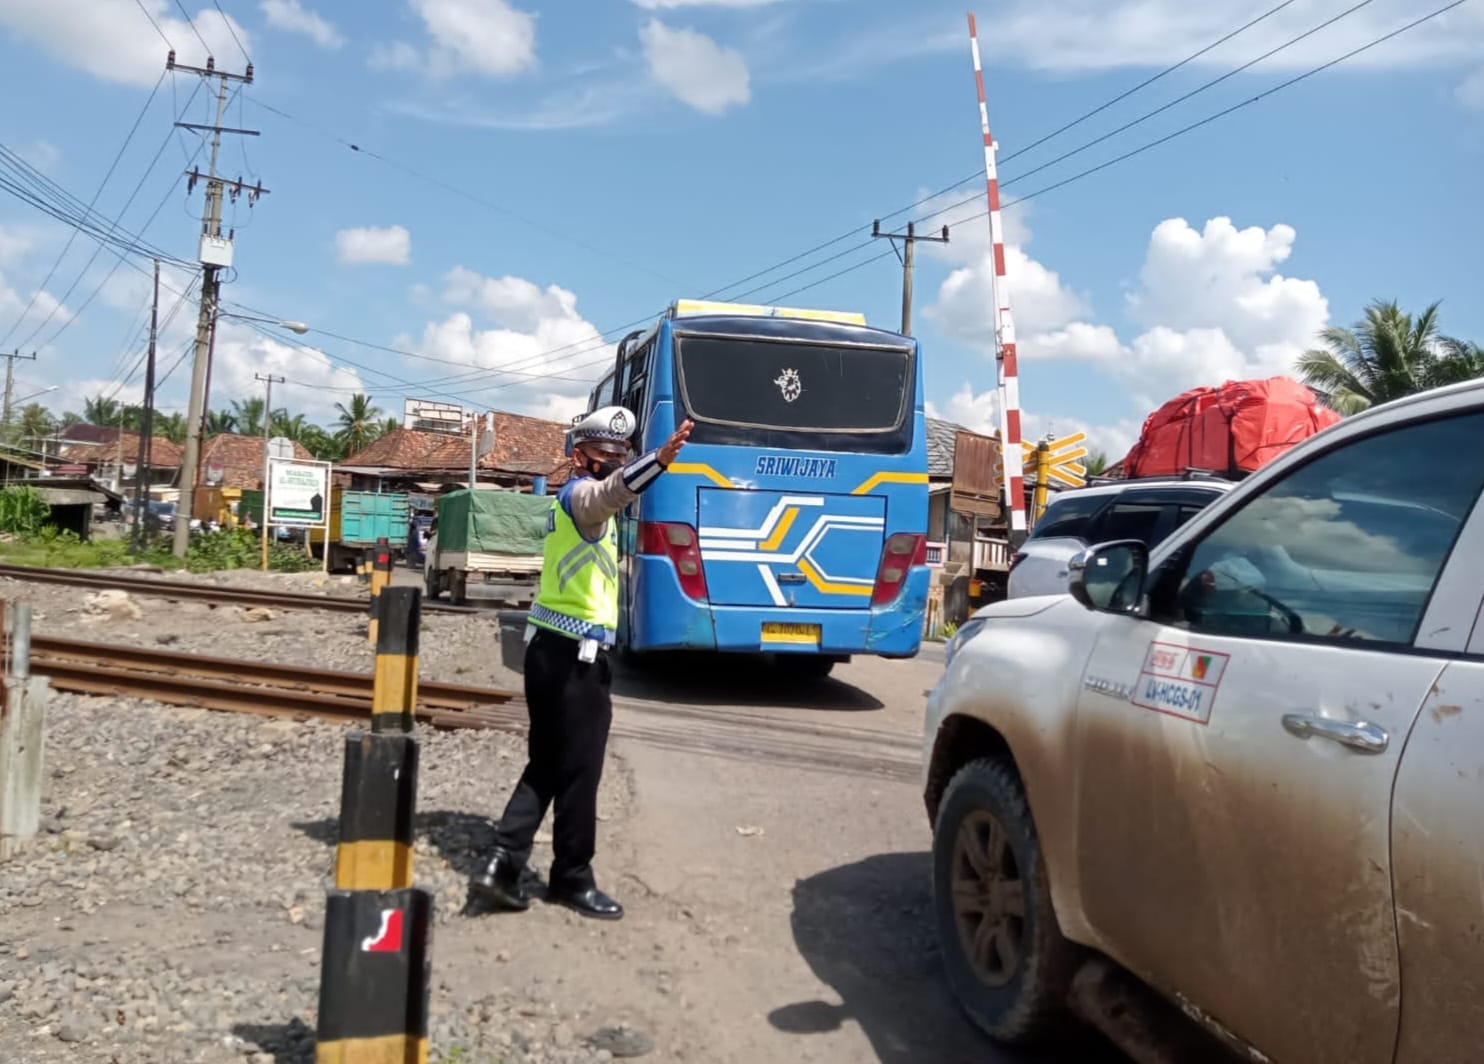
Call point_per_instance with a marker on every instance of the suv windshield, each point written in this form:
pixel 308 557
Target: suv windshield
pixel 1069 515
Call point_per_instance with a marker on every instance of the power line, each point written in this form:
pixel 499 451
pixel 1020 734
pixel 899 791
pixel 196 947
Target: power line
pixel 186 15
pixel 466 194
pixel 98 192
pixel 155 24
pixel 237 40
pixel 164 144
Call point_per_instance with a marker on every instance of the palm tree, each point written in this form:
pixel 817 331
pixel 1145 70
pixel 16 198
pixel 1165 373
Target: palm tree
pixel 131 417
pixel 358 423
pixel 1096 463
pixel 101 411
pixel 292 428
pixel 390 425
pixel 172 427
pixel 1386 356
pixel 248 416
pixel 36 420
pixel 220 421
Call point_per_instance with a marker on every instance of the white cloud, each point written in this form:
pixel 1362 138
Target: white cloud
pixel 487 37
pixel 293 17
pixel 700 72
pixel 1211 304
pixel 114 41
pixel 551 352
pixel 312 385
pixel 671 5
pixel 42 154
pixel 372 244
pixel 979 412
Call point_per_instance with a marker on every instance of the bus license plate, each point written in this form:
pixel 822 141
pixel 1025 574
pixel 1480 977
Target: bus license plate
pixel 781 632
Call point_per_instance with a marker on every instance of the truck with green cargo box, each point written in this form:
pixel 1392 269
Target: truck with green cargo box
pixel 358 519
pixel 490 535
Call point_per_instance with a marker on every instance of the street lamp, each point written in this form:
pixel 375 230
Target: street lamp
pixel 292 326
pixel 33 395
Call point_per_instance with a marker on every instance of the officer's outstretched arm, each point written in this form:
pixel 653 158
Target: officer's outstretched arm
pixel 595 501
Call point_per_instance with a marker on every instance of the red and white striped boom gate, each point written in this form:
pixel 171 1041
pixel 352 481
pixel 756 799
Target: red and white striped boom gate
pixel 1004 326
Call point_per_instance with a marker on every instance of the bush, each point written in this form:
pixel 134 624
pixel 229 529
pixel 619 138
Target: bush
pixel 22 511
pixel 235 548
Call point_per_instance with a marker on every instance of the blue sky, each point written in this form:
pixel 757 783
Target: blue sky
pixel 533 175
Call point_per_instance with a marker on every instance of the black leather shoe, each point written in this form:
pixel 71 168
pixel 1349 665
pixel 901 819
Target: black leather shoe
pixel 589 901
pixel 500 884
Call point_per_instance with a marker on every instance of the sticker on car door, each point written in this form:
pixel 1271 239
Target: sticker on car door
pixel 1180 681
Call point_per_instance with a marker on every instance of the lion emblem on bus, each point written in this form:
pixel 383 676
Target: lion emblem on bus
pixel 789 385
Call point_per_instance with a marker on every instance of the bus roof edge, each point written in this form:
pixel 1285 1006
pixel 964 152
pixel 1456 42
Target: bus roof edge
pixel 689 308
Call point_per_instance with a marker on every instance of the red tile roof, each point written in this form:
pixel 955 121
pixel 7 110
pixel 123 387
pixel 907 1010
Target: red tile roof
pixel 163 453
pixel 523 445
pixel 241 459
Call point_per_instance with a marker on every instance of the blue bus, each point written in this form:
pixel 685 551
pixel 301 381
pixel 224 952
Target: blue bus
pixel 795 521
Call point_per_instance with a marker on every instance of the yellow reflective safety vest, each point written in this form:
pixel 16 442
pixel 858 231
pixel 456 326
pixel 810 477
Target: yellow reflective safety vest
pixel 579 579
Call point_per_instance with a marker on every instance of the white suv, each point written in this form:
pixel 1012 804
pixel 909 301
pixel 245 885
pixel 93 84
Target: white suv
pixel 1244 766
pixel 1145 510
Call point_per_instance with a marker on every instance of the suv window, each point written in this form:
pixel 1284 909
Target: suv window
pixel 1069 515
pixel 1130 520
pixel 1348 546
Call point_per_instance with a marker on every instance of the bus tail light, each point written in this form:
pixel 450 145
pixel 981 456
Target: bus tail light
pixel 665 539
pixel 902 551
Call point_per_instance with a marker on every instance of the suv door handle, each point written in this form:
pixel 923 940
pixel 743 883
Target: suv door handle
pixel 1359 735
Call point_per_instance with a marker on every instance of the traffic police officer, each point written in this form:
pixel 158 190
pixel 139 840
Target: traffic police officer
pixel 572 625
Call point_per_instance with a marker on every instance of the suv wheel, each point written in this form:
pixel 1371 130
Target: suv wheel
pixel 1005 957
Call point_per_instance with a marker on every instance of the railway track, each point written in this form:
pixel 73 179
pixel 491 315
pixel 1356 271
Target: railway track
pixel 183 591
pixel 296 692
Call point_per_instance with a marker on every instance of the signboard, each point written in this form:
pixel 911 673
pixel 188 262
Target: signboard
pixel 976 475
pixel 215 472
pixel 280 447
pixel 427 416
pixel 298 492
pixel 130 468
pixel 73 469
pixel 1063 460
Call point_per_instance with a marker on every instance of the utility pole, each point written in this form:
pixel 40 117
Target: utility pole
pixel 147 426
pixel 10 357
pixel 267 432
pixel 904 255
pixel 216 255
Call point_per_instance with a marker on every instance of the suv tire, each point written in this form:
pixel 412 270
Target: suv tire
pixel 1011 977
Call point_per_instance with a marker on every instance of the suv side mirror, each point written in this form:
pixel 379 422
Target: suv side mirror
pixel 1109 577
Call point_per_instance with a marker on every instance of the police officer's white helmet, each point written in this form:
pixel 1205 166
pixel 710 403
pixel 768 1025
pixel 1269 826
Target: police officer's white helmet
pixel 609 424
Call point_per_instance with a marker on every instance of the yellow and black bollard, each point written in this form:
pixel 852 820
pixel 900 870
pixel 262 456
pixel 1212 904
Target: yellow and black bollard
pixel 381 579
pixel 378 798
pixel 394 694
pixel 374 978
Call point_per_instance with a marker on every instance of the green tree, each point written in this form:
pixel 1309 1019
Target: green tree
pixel 220 421
pixel 1097 463
pixel 323 445
pixel 35 420
pixel 359 423
pixel 248 416
pixel 100 410
pixel 1387 355
pixel 172 427
pixel 69 418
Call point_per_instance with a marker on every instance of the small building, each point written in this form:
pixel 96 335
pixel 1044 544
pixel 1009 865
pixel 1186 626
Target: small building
pixel 111 454
pixel 71 500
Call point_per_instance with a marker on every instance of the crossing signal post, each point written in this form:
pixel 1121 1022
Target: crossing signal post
pixel 1055 462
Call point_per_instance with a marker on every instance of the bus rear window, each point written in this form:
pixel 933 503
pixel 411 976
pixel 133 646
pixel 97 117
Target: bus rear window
pixel 807 388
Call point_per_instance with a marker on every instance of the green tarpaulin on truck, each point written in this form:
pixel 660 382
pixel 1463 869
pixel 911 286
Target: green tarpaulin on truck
pixel 494 522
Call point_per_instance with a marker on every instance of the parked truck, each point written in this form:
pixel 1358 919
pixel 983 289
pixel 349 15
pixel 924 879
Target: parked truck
pixel 490 536
pixel 358 519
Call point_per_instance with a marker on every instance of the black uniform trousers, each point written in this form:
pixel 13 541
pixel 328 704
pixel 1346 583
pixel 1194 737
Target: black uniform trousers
pixel 570 709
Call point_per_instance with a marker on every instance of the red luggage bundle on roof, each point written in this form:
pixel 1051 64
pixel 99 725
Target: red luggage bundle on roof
pixel 1230 430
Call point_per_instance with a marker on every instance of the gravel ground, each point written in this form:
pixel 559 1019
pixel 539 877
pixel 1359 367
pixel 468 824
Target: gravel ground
pixel 172 907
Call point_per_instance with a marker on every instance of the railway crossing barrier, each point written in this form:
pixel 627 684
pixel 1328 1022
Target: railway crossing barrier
pixel 375 976
pixel 22 735
pixel 381 578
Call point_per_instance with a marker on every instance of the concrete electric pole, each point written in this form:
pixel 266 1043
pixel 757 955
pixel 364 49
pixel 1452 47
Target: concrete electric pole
pixel 10 357
pixel 909 239
pixel 216 255
pixel 147 427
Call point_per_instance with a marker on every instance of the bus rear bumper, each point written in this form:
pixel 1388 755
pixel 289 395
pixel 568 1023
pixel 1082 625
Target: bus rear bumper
pixel 669 620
